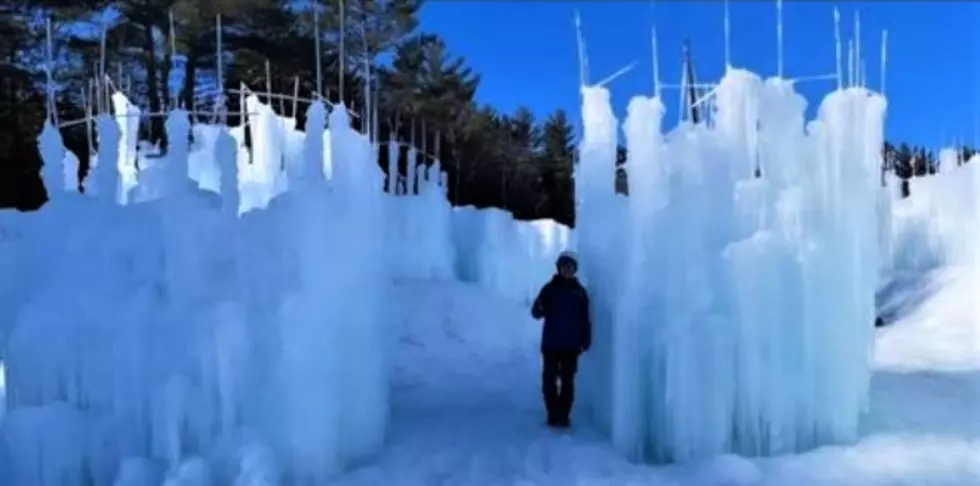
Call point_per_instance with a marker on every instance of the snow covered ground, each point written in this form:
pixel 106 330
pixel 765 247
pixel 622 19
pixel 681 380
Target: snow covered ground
pixel 466 405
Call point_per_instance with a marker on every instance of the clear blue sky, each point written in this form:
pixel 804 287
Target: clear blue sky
pixel 525 52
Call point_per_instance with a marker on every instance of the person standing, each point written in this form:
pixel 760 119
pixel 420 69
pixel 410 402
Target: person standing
pixel 563 303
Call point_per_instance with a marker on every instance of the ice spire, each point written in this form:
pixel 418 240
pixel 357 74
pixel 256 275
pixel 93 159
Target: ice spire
pixel 53 155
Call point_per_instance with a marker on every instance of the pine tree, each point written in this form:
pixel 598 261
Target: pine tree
pixel 556 163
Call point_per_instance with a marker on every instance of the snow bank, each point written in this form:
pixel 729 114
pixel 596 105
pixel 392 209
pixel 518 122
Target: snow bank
pixel 938 223
pixel 172 342
pixel 733 314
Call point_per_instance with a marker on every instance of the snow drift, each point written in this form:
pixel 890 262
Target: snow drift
pixel 937 224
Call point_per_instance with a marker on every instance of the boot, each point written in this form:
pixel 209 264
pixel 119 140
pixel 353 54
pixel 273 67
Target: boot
pixel 563 408
pixel 553 420
pixel 562 419
pixel 552 408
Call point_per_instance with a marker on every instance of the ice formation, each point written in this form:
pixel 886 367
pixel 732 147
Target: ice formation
pixel 53 152
pixel 103 177
pixel 421 215
pixel 127 118
pixel 190 345
pixel 206 331
pixel 209 308
pixel 734 313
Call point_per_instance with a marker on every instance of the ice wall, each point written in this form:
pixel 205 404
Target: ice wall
pixel 15 255
pixel 194 343
pixel 173 342
pixel 732 314
pixel 420 227
pixel 503 255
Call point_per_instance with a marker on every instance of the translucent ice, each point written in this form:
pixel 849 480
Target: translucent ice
pixel 736 312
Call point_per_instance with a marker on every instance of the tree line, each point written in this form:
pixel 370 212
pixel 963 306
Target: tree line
pixel 916 161
pixel 162 53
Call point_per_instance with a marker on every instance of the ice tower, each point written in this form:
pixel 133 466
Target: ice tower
pixel 53 155
pixel 733 313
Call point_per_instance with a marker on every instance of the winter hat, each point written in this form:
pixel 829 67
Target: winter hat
pixel 567 257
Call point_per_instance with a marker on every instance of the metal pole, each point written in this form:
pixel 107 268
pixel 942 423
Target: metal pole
pixel 340 73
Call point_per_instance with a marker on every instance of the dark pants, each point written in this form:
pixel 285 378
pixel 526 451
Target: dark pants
pixel 559 368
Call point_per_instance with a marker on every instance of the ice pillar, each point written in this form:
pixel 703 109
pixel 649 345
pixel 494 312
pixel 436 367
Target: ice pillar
pixel 178 128
pixel 128 118
pixel 53 156
pixel 316 120
pixel 103 177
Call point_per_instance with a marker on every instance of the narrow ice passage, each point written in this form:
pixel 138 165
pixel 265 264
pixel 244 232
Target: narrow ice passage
pixel 466 401
pixel 466 405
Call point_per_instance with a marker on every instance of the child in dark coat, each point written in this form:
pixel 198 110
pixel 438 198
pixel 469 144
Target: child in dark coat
pixel 563 303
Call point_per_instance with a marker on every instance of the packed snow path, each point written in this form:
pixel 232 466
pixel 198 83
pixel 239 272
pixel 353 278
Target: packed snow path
pixel 466 404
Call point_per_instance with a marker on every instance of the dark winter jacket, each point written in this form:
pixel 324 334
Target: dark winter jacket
pixel 564 305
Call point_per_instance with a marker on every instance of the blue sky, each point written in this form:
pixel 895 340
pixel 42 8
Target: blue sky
pixel 525 52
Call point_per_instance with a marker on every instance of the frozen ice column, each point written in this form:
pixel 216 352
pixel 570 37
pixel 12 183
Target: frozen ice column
pixel 359 181
pixel 316 120
pixel 128 118
pixel 631 408
pixel 226 155
pixel 178 126
pixel 842 270
pixel 53 155
pixel 595 201
pixel 103 177
pixel 726 331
